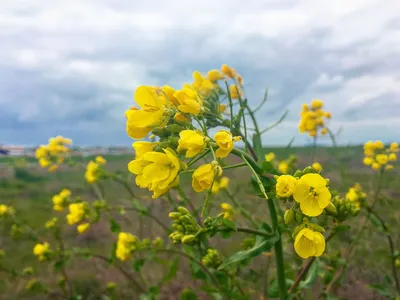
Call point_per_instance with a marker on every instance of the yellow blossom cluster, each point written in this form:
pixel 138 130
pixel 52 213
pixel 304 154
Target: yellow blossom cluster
pixel 52 155
pixel 313 118
pixel 93 169
pixel 178 122
pixel 42 251
pixel 220 184
pixel 61 200
pixel 378 157
pixel 6 211
pixel 227 210
pixel 126 244
pixel 284 166
pixel 77 213
pixel 356 195
pixel 311 197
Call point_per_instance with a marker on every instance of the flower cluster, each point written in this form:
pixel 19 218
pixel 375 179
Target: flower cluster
pixel 126 244
pixel 220 184
pixel 185 227
pixel 61 200
pixel 178 122
pixel 78 212
pixel 42 251
pixel 53 154
pixel 379 157
pixel 311 196
pixel 6 211
pixel 228 210
pixel 212 259
pixel 313 118
pixel 93 169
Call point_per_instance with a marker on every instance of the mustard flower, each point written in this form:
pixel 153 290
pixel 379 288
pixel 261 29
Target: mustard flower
pixel 92 173
pixel 224 140
pixel 126 244
pixel 317 167
pixel 203 177
pixel 214 75
pixel 41 251
pixel 285 185
pixel 193 141
pixel 188 101
pixel 100 160
pixel 228 71
pixel 312 194
pixel 141 121
pixel 77 212
pixel 283 167
pixel 156 171
pixel 235 91
pixel 270 156
pixel 309 243
pixel 83 227
pixel 220 185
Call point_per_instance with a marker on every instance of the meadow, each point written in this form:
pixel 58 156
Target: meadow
pixel 29 189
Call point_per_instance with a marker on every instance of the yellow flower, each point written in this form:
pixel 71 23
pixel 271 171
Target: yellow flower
pixel 226 206
pixel 285 186
pixel 388 167
pixel 309 243
pixel 141 121
pixel 201 84
pixel 100 160
pixel 214 75
pixel 125 245
pixel 5 210
pixel 324 131
pixel 379 144
pixel 65 193
pixel 328 115
pixel 44 162
pixel 352 195
pixel 270 156
pixel 92 172
pixel 235 91
pixel 169 93
pixel 239 80
pixel 375 166
pixel 283 167
pixel 394 147
pixel 52 168
pixel 82 227
pixel 224 140
pixel 222 108
pixel 382 159
pixel 41 151
pixel 228 71
pixel 182 118
pixel 203 177
pixel 220 185
pixel 188 101
pixel 77 212
pixel 191 140
pixel 143 147
pixel 156 171
pixel 51 223
pixel 317 167
pixel 41 251
pixel 316 104
pixel 368 161
pixel 392 157
pixel 312 194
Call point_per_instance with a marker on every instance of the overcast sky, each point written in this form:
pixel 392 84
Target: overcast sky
pixel 71 67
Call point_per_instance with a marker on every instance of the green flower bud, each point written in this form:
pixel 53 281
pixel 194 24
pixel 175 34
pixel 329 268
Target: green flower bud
pixel 173 128
pixel 178 227
pixel 298 174
pixel 174 215
pixel 331 208
pixel 27 271
pixel 307 170
pixel 187 239
pixel 173 141
pixel 161 132
pixel 158 242
pixel 111 286
pixel 288 217
pixel 190 228
pixel 297 230
pixel 183 210
pixel 316 227
pixel 298 217
pixel 186 219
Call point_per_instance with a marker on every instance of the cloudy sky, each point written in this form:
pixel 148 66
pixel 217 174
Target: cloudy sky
pixel 71 67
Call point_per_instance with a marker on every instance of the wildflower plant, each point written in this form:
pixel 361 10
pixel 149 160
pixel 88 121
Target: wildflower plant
pixel 184 143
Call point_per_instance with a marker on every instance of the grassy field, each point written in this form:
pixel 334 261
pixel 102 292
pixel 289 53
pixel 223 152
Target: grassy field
pixel 30 189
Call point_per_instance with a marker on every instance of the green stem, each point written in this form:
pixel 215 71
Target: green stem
pixel 149 215
pixel 225 168
pixel 190 203
pixel 242 108
pixel 278 245
pixel 197 158
pixel 230 105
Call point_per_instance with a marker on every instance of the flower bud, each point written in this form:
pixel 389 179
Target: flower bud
pixel 160 132
pixel 174 128
pixel 187 239
pixel 298 174
pixel 308 170
pixel 288 216
pixel 174 215
pixel 331 208
pixel 316 227
pixel 298 217
pixel 183 210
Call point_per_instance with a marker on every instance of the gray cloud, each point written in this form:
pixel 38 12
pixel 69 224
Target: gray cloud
pixel 71 68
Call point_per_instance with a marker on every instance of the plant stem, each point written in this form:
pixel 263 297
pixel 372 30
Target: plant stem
pixel 196 159
pixel 230 104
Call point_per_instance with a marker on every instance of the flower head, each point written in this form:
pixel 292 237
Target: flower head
pixel 192 141
pixel 41 251
pixel 283 167
pixel 309 243
pixel 235 91
pixel 188 101
pixel 224 140
pixel 220 185
pixel 92 173
pixel 312 194
pixel 285 186
pixel 77 212
pixel 203 177
pixel 156 171
pixel 317 167
pixel 270 156
pixel 83 227
pixel 100 160
pixel 141 121
pixel 126 244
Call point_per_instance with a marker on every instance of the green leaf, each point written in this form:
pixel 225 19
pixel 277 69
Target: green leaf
pixel 273 289
pixel 172 270
pixel 257 145
pixel 114 226
pixel 374 220
pixel 197 272
pixel 138 264
pixel 261 245
pixel 311 277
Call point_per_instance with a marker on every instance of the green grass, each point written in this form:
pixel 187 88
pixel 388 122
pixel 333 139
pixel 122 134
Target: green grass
pixel 31 189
